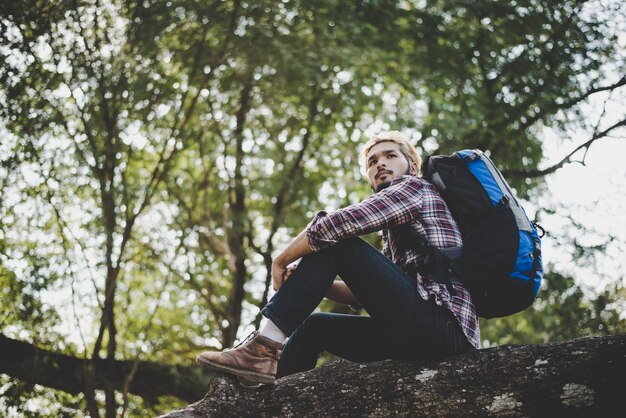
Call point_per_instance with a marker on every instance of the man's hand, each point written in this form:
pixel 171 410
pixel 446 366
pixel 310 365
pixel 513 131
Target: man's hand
pixel 281 268
pixel 280 273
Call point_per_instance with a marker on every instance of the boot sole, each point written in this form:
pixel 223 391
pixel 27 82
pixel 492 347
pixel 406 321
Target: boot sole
pixel 245 377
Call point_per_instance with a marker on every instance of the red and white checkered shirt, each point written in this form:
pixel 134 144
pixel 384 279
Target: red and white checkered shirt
pixel 412 200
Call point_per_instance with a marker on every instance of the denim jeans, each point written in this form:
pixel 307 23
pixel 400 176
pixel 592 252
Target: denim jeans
pixel 400 325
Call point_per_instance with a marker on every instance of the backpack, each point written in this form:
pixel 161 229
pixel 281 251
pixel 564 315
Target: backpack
pixel 500 261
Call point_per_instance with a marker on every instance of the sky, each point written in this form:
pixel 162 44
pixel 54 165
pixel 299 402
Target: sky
pixel 595 194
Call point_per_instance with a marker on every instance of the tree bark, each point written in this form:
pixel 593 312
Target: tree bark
pixel 238 217
pixel 582 377
pixel 59 371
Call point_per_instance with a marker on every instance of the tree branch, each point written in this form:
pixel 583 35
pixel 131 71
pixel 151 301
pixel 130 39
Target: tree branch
pixel 570 103
pixel 60 371
pixel 567 159
pixel 582 377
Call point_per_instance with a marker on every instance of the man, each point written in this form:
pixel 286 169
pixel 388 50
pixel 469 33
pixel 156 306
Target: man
pixel 410 315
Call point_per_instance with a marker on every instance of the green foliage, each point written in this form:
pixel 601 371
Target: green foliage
pixel 34 401
pixel 155 154
pixel 564 310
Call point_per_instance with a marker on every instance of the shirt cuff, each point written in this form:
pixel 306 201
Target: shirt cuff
pixel 315 233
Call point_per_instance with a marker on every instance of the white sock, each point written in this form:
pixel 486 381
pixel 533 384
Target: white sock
pixel 271 331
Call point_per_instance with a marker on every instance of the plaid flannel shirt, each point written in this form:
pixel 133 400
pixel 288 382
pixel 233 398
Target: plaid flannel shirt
pixel 412 200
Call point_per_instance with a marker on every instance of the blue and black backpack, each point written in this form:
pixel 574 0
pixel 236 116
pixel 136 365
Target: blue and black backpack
pixel 500 261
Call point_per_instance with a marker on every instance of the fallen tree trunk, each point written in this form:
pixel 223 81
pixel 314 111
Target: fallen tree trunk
pixel 582 377
pixel 67 373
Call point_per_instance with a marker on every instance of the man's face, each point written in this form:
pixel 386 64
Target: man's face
pixel 385 163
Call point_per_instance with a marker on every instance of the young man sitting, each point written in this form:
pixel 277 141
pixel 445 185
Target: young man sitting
pixel 410 316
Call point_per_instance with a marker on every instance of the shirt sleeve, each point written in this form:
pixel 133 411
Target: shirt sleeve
pixel 397 204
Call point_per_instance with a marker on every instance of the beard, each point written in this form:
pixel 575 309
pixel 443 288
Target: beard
pixel 382 186
pixel 386 184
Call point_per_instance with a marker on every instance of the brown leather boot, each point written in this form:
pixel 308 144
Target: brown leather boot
pixel 254 360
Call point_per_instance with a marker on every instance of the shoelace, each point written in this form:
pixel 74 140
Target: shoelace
pixel 248 338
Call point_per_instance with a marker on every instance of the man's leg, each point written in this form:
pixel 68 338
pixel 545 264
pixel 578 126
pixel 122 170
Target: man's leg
pixel 352 337
pixel 414 327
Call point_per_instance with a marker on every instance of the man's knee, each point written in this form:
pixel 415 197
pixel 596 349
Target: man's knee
pixel 346 247
pixel 337 251
pixel 352 242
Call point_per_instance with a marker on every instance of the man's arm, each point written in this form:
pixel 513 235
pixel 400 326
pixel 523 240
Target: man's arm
pixel 340 292
pixel 398 204
pixel 298 248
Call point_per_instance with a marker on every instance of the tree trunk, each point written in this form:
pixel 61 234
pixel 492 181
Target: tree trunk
pixel 237 233
pixel 70 374
pixel 582 377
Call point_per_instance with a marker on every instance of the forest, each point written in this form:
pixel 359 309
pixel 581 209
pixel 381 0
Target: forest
pixel 155 156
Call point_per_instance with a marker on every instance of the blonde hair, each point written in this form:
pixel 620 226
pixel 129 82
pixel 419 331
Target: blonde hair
pixel 407 149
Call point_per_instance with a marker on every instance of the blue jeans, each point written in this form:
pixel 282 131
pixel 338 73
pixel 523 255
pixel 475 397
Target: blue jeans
pixel 400 325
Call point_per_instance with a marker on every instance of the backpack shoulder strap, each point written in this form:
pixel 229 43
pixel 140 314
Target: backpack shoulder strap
pixel 438 262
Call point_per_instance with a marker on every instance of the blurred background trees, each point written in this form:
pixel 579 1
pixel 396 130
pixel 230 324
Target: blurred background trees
pixel 155 154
